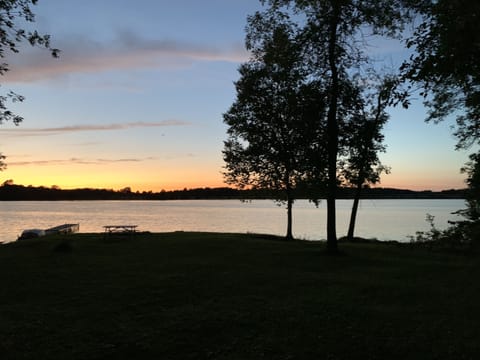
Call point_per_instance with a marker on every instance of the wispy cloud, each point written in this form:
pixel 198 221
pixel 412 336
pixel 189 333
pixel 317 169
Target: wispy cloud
pixel 127 51
pixel 77 161
pixel 87 127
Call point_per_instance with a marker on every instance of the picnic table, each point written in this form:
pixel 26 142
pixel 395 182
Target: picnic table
pixel 120 229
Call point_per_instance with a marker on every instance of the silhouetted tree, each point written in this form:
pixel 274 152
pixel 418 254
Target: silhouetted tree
pixel 270 129
pixel 445 63
pixel 13 16
pixel 332 30
pixel 364 141
pixel 472 169
pixel 2 163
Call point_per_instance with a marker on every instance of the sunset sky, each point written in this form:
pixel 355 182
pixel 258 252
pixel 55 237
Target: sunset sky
pixel 137 96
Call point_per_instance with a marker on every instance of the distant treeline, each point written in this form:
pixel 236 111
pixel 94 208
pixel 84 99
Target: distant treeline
pixel 10 192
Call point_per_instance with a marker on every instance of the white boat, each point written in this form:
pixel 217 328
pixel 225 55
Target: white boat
pixel 60 229
pixel 63 229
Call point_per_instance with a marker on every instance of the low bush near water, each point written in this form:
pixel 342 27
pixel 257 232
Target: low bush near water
pixel 460 236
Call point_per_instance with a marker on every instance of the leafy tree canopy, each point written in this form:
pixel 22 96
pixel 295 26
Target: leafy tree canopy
pixel 14 14
pixel 445 63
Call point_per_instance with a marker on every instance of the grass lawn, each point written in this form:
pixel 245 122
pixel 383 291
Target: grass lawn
pixel 234 296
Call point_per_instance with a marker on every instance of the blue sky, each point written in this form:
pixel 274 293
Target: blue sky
pixel 137 96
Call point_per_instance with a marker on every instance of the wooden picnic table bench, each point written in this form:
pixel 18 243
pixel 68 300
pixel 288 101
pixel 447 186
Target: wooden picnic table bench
pixel 119 229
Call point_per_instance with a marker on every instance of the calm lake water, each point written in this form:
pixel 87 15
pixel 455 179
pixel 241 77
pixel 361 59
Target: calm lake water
pixel 381 219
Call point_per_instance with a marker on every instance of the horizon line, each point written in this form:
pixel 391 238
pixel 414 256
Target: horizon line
pixel 56 187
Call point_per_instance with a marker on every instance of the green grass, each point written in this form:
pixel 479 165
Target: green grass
pixel 232 296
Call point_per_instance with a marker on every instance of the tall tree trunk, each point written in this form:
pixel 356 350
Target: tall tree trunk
pixel 289 235
pixel 290 200
pixel 353 214
pixel 362 176
pixel 332 134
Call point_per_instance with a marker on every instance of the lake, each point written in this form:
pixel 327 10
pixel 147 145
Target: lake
pixel 381 219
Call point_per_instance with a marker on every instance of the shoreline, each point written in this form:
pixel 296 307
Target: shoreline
pixel 10 192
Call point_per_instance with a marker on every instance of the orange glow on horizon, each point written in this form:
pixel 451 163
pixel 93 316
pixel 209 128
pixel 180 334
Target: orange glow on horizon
pixel 168 184
pixel 137 179
pixel 174 176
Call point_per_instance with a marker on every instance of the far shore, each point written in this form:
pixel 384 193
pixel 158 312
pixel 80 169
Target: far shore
pixel 12 192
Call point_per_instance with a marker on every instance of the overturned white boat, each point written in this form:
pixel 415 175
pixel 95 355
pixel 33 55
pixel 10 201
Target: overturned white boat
pixel 60 229
pixel 63 229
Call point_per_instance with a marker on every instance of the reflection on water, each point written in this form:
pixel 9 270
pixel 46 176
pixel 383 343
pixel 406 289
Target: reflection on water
pixel 381 219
